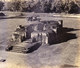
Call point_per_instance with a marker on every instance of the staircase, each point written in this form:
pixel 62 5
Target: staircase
pixel 18 49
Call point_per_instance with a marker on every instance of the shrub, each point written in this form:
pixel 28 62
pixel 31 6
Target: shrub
pixel 14 6
pixel 58 7
pixel 46 6
pixel 2 14
pixel 74 8
pixel 71 7
pixel 43 6
pixel 1 5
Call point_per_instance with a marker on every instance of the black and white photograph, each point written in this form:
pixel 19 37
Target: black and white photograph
pixel 39 33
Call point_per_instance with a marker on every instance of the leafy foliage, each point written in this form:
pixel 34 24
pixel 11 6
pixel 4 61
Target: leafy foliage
pixel 47 7
pixel 43 6
pixel 71 7
pixel 1 5
pixel 74 8
pixel 14 6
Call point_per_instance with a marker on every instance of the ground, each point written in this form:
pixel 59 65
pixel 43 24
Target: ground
pixel 65 54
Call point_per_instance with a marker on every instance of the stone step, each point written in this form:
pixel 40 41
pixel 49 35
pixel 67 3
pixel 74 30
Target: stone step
pixel 18 49
pixel 21 51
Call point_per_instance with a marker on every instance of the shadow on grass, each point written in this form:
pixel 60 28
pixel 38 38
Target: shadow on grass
pixel 66 35
pixel 65 29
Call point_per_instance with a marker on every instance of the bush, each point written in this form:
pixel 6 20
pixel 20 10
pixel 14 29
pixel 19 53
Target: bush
pixel 71 7
pixel 58 7
pixel 43 6
pixel 74 8
pixel 47 7
pixel 26 7
pixel 14 6
pixel 2 14
pixel 1 5
pixel 20 6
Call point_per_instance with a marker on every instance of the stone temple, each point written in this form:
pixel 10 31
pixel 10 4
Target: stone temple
pixel 43 32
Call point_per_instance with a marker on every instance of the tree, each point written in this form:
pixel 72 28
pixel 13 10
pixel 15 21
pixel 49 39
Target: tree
pixel 58 7
pixel 74 8
pixel 37 7
pixel 46 6
pixel 67 7
pixel 14 5
pixel 43 6
pixel 21 6
pixel 1 5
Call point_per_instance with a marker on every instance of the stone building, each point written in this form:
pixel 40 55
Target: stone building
pixel 45 37
pixel 19 34
pixel 44 33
